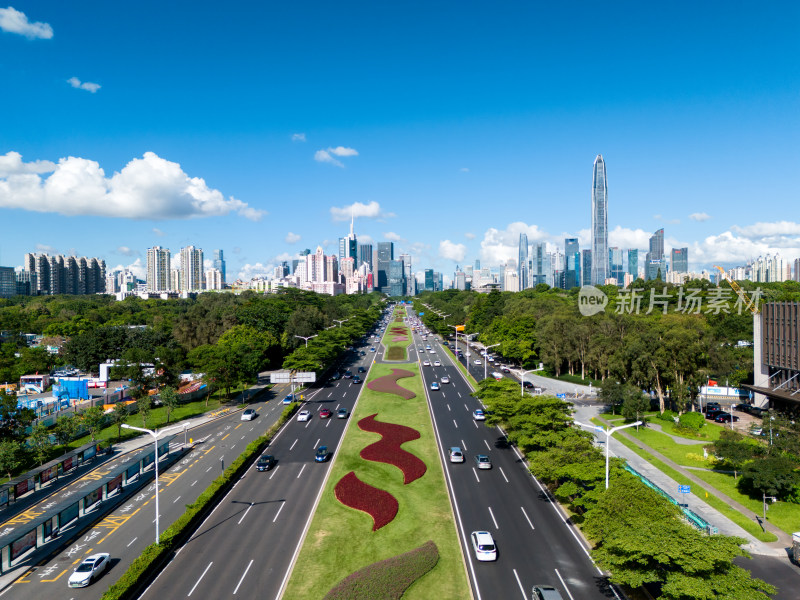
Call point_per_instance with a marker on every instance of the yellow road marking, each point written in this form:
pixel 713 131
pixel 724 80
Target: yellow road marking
pixel 56 577
pixel 226 435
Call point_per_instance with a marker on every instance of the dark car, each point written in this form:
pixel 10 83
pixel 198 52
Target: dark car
pixel 336 376
pixel 265 463
pixel 545 592
pixel 712 406
pixel 362 370
pixel 356 379
pixel 527 384
pixel 342 413
pixel 725 417
pixel 712 414
pixel 322 454
pixel 348 374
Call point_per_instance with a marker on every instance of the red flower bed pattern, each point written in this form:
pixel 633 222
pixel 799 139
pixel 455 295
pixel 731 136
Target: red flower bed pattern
pixel 388 384
pixel 377 503
pixel 388 450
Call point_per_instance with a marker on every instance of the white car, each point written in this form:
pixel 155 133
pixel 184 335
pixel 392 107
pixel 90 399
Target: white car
pixel 304 415
pixel 426 363
pixel 436 363
pixel 497 375
pixel 90 569
pixel 445 379
pixel 483 544
pixel 249 414
pixel 478 361
pixel 435 385
pixel 456 455
pixel 479 415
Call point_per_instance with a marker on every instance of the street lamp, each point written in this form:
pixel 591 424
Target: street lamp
pixel 340 321
pixel 486 359
pixel 456 332
pixel 609 433
pixel 155 435
pixel 306 338
pixel 522 381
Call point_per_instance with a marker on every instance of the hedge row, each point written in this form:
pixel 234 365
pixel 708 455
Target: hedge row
pixel 387 579
pixel 152 558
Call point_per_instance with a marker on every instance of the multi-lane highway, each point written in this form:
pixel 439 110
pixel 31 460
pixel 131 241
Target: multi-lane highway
pixel 535 544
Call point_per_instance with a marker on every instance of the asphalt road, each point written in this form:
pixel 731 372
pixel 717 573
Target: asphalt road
pixel 246 547
pixel 535 544
pixel 128 530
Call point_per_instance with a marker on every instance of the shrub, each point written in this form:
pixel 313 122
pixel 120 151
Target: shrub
pixel 692 421
pixel 387 579
pixel 668 415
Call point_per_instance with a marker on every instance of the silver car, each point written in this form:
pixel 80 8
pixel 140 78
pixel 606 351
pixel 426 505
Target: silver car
pixel 90 569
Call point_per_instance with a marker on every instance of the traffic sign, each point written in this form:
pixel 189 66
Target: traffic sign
pixel 562 396
pixel 299 377
pixel 684 489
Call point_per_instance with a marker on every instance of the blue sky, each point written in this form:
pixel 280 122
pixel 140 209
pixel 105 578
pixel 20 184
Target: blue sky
pixel 447 127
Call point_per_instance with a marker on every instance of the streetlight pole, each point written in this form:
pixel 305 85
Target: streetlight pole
pixel 306 338
pixel 340 321
pixel 522 381
pixel 609 433
pixel 155 435
pixel 486 360
pixel 455 327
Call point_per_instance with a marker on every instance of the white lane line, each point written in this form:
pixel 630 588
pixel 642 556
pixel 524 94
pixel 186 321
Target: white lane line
pixel 308 423
pixel 527 517
pixel 496 526
pixel 208 469
pixel 466 408
pixel 330 394
pixel 274 470
pixel 519 583
pixel 459 394
pixel 463 446
pixel 328 423
pixel 196 583
pixel 236 589
pixel 234 446
pixel 133 540
pixel 176 499
pixel 503 473
pixel 245 514
pixel 301 472
pixel 195 481
pixel 448 407
pixel 475 423
pixel 454 423
pixel 488 447
pixel 318 441
pixel 474 472
pixel 293 443
pixel 279 510
pixel 566 589
pixel 244 436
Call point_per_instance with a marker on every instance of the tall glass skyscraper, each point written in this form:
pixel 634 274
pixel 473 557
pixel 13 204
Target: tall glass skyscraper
pixel 599 222
pixel 522 265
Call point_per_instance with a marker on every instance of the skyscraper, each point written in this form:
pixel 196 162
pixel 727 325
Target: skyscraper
pixel 586 267
pixel 599 222
pixel 348 246
pixel 192 276
pixel 365 256
pixel 219 263
pixel 522 265
pixel 158 267
pixel 633 263
pixel 385 257
pixel 680 260
pixel 654 263
pixel 572 266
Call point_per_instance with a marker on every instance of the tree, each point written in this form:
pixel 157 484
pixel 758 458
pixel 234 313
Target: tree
pixel 13 420
pixel 143 404
pixel 634 403
pixel 169 399
pixel 10 456
pixel 733 449
pixel 119 416
pixel 93 418
pixel 39 442
pixel 64 429
pixel 771 475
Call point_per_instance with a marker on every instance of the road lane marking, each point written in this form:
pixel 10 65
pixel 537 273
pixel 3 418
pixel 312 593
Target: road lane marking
pixel 503 473
pixel 133 540
pixel 209 468
pixel 463 445
pixel 448 407
pixel 527 517
pixel 328 423
pixel 474 472
pixel 201 578
pixel 279 511
pixel 274 470
pixel 318 441
pixel 488 447
pixel 242 519
pixel 466 407
pixel 195 481
pixel 459 394
pixel 293 443
pixel 330 394
pixel 496 526
pixel 236 589
pixel 519 583
pixel 301 472
pixel 176 499
pixel 454 423
pixel 566 589
pixel 474 422
pixel 223 439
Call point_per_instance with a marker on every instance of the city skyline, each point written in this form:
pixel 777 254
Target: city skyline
pixel 263 147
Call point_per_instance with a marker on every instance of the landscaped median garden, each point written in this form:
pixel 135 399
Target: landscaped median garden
pixel 397 338
pixel 384 521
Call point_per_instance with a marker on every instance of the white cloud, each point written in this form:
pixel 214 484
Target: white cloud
pixel 622 237
pixel 365 239
pixel 450 251
pixel 249 271
pixel 292 238
pixel 342 151
pixel 14 21
pixel 46 249
pixel 469 235
pixel 392 236
pixel 11 164
pixel 158 232
pixel 667 221
pixel 298 137
pixel 327 156
pixel 498 245
pixel 699 216
pixel 86 85
pixel 359 209
pixel 136 267
pixel 146 188
pixel 126 251
pixel 778 228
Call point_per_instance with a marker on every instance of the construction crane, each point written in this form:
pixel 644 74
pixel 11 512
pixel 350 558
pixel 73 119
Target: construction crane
pixel 749 304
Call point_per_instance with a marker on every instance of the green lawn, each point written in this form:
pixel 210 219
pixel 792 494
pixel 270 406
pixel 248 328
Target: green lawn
pixel 683 454
pixel 394 349
pixel 340 540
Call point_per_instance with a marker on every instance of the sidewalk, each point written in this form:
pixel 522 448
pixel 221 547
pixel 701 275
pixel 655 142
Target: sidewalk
pixel 723 524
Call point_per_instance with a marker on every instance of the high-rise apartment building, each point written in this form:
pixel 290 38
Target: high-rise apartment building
pixel 599 222
pixel 522 264
pixel 397 278
pixel 192 277
pixel 365 256
pixel 8 282
pixel 680 260
pixel 429 283
pixel 158 269
pixel 385 257
pixel 66 275
pixel 331 268
pixel 408 275
pixel 219 264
